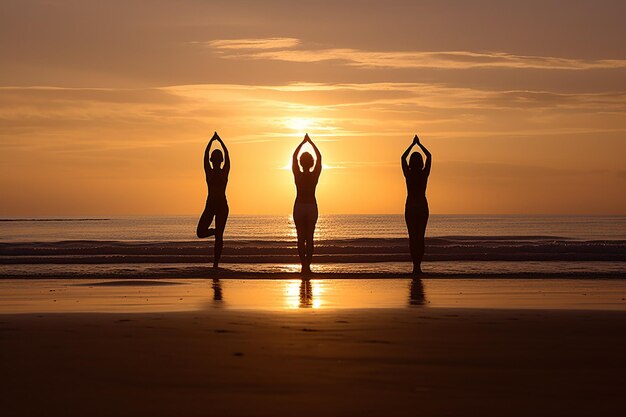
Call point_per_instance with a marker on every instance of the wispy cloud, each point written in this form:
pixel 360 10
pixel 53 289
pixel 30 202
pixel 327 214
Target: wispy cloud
pixel 292 50
pixel 329 111
pixel 481 169
pixel 267 43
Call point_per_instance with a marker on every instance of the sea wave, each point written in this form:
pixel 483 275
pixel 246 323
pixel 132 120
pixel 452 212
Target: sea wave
pixel 361 250
pixel 34 220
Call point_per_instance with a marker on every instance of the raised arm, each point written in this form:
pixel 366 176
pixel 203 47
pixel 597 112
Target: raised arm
pixel 208 171
pixel 295 167
pixel 226 154
pixel 405 164
pixel 318 156
pixel 429 158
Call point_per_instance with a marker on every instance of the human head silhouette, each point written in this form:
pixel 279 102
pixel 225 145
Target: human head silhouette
pixel 306 160
pixel 416 162
pixel 217 158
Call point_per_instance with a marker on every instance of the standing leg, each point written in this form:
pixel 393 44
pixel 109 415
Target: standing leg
pixel 297 219
pixel 421 233
pixel 413 229
pixel 304 236
pixel 310 234
pixel 220 225
pixel 414 246
pixel 308 249
pixel 302 249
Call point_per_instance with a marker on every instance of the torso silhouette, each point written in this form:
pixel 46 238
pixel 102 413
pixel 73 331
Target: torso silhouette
pixel 416 187
pixel 305 185
pixel 217 184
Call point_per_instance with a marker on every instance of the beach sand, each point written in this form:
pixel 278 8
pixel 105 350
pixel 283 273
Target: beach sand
pixel 341 362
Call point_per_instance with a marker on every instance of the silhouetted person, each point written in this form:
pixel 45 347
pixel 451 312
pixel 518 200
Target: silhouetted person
pixel 305 207
pixel 416 293
pixel 216 204
pixel 416 209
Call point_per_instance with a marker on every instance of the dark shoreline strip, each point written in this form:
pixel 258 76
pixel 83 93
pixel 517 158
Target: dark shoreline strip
pixel 449 248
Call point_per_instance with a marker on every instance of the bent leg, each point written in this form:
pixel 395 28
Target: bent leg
pixel 205 221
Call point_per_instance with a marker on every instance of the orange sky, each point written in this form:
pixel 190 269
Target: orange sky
pixel 106 107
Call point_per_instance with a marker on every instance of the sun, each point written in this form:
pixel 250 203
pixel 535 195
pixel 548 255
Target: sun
pixel 300 125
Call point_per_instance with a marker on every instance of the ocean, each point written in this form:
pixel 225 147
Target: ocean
pixel 375 244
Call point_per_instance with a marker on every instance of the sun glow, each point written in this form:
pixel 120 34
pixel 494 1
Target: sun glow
pixel 300 125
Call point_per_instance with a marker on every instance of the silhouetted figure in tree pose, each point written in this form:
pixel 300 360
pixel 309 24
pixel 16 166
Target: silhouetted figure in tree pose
pixel 416 210
pixel 216 204
pixel 305 207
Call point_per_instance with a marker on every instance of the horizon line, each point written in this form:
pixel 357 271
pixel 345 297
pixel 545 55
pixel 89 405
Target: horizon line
pixel 113 216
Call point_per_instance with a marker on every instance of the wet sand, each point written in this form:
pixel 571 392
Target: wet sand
pixel 337 362
pixel 176 294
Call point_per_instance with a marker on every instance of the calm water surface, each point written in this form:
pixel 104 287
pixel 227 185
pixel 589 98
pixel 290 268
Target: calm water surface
pixel 329 227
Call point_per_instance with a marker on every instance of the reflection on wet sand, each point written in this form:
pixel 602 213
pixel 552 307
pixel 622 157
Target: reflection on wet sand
pixel 217 290
pixel 63 295
pixel 306 294
pixel 400 293
pixel 311 293
pixel 417 296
